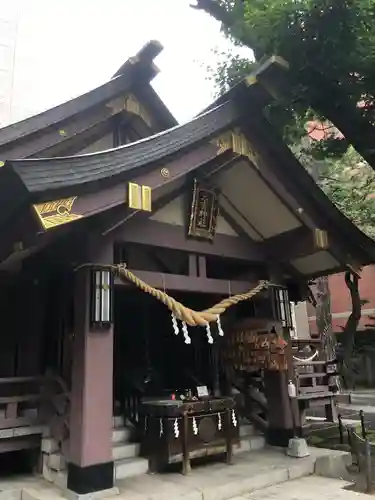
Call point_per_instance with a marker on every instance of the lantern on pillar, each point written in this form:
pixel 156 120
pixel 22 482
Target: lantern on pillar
pixel 281 306
pixel 101 298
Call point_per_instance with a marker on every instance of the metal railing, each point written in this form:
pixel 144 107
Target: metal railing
pixel 362 451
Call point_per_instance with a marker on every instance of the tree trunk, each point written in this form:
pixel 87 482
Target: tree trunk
pixel 350 329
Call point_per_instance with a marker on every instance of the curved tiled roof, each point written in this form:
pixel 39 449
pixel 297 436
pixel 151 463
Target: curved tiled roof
pixel 50 174
pixel 139 68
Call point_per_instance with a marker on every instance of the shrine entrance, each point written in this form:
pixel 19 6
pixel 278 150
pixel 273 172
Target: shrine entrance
pixel 150 358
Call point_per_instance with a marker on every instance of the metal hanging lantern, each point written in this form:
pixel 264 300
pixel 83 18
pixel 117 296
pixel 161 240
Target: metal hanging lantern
pixel 281 306
pixel 101 316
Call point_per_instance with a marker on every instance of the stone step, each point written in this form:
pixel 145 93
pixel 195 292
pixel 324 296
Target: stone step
pixel 58 478
pixel 118 421
pixel 247 429
pixel 130 467
pixel 121 435
pixel 54 461
pixel 22 431
pixel 125 450
pixel 250 443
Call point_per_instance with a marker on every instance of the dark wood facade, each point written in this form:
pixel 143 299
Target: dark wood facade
pixel 208 208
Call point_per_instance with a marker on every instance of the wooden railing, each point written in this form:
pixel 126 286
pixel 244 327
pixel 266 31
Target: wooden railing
pixel 20 402
pixel 251 401
pixel 59 405
pixel 314 386
pixel 131 406
pixel 313 378
pixel 31 403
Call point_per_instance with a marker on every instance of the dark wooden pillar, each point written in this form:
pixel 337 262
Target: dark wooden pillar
pixel 90 466
pixel 283 413
pixel 280 421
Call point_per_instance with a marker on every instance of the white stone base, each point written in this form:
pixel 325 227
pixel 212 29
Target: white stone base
pixel 298 448
pixel 96 495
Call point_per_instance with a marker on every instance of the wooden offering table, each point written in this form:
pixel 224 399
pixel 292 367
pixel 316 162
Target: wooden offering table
pixel 178 431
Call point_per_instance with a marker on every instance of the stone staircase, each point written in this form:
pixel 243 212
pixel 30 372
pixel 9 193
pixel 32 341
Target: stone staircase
pixel 127 462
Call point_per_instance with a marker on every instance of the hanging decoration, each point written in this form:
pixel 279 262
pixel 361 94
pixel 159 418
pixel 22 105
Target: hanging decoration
pixel 181 312
pixel 203 212
pixel 234 419
pixel 219 328
pixel 186 333
pixel 175 325
pixel 251 349
pixel 176 430
pixel 210 338
pixel 219 422
pixel 161 430
pixel 195 427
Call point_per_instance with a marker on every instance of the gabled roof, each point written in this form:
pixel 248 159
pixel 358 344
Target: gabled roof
pixel 47 177
pixel 133 76
pixel 264 190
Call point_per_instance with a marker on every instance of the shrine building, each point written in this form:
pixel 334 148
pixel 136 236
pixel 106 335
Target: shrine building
pixel 147 269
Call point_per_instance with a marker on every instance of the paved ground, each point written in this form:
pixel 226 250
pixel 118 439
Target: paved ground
pixel 307 488
pixel 251 472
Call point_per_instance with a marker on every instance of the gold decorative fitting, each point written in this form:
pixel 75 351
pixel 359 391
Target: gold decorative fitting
pixel 321 239
pixel 139 197
pixel 146 198
pixel 251 80
pixel 55 213
pixel 164 172
pixel 134 196
pixel 238 143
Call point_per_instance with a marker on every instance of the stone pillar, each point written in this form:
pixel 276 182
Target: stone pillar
pixel 90 465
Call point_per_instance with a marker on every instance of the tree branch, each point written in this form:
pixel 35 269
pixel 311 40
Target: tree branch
pixel 216 11
pixel 229 22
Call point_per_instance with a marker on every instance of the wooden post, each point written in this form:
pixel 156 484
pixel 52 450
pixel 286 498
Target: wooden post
pixel 90 466
pixel 280 419
pixel 340 429
pixel 368 466
pixel 228 436
pixel 185 445
pixel 363 426
pixel 330 411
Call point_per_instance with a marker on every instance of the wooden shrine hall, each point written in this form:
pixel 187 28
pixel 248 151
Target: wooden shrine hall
pixel 147 270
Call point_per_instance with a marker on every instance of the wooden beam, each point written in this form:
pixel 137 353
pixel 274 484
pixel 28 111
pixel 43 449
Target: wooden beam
pixel 312 206
pixel 162 195
pixel 89 204
pixel 193 267
pixel 202 266
pixel 181 283
pixel 159 234
pixel 295 243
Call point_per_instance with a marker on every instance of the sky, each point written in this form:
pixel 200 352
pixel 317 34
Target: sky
pixel 65 48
